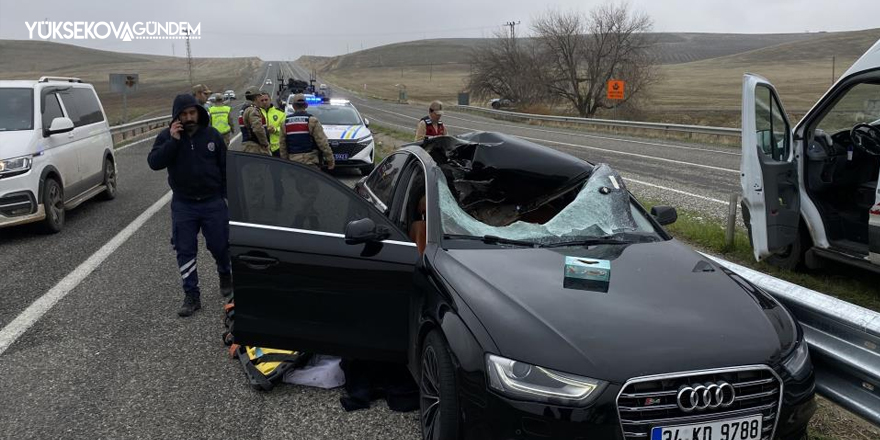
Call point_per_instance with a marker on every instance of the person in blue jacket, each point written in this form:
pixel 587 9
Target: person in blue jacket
pixel 194 154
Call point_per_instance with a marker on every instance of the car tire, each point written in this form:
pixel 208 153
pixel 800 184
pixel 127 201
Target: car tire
pixel 438 395
pixel 110 182
pixel 53 203
pixel 367 169
pixel 496 105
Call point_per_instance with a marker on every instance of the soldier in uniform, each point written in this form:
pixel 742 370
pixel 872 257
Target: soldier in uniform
pixel 254 134
pixel 304 142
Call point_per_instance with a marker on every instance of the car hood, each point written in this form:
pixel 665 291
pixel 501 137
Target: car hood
pixel 18 143
pixel 345 132
pixel 666 309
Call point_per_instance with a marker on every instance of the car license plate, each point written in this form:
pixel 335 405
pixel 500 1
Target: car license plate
pixel 340 156
pixel 747 428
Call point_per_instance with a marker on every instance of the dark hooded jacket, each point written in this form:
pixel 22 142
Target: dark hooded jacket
pixel 196 164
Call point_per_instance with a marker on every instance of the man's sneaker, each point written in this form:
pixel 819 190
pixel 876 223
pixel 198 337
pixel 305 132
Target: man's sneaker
pixel 226 284
pixel 190 305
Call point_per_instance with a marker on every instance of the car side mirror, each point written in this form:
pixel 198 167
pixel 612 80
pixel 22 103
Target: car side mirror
pixel 365 230
pixel 665 215
pixel 366 122
pixel 59 125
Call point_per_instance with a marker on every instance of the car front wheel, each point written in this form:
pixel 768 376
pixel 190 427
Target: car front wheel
pixel 438 397
pixel 53 203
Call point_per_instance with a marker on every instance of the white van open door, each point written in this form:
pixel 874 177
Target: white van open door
pixel 768 171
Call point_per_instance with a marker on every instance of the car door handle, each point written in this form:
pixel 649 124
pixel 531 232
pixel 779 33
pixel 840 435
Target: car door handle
pixel 257 262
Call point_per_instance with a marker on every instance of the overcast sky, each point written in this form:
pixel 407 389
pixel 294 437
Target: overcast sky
pixel 280 30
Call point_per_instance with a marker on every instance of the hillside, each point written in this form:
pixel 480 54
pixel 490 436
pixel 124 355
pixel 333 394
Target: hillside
pixel 161 77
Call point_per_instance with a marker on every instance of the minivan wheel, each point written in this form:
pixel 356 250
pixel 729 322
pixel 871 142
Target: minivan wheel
pixel 53 203
pixel 438 397
pixel 109 180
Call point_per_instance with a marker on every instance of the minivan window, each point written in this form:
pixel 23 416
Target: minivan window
pixel 82 106
pixel 51 110
pixel 16 109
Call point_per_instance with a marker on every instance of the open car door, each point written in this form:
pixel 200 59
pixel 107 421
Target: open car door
pixel 301 283
pixel 768 171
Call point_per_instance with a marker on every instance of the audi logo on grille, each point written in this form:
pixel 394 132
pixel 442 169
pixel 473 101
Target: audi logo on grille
pixel 706 396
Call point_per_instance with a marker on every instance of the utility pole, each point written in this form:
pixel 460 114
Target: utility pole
pixel 512 26
pixel 833 61
pixel 189 60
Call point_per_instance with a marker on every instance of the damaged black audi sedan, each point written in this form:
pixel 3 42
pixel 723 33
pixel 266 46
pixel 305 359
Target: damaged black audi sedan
pixel 528 292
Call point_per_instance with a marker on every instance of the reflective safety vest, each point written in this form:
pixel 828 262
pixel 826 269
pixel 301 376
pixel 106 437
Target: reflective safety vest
pixel 430 131
pixel 275 118
pixel 297 135
pixel 220 118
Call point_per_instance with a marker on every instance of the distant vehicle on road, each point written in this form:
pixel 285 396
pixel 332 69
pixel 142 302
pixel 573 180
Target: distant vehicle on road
pixel 270 64
pixel 812 193
pixel 528 292
pixel 499 103
pixel 229 94
pixel 347 130
pixel 268 82
pixel 56 150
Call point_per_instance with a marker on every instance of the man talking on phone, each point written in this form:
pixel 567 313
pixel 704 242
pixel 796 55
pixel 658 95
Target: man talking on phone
pixel 194 154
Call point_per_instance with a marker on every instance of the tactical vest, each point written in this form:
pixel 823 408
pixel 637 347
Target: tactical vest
pixel 430 131
pixel 297 135
pixel 275 118
pixel 220 118
pixel 247 134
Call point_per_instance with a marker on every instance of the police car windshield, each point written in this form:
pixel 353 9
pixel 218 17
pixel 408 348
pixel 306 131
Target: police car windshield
pixel 335 114
pixel 16 109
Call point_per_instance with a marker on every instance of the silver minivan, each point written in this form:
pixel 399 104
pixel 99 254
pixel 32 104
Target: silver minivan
pixel 56 150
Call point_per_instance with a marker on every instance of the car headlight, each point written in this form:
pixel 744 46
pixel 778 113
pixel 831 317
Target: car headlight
pixel 366 141
pixel 520 380
pixel 16 165
pixel 798 361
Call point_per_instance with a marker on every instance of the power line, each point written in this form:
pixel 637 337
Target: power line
pixel 512 26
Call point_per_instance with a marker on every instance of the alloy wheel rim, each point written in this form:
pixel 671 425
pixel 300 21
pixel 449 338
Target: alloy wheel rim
pixel 429 395
pixel 110 177
pixel 56 206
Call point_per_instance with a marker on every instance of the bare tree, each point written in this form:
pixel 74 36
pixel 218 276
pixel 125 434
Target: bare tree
pixel 505 68
pixel 582 52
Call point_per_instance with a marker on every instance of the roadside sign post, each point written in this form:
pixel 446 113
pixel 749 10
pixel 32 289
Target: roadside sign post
pixel 616 92
pixel 124 83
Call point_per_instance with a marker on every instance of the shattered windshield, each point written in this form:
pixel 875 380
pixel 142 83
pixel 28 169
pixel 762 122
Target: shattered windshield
pixel 597 207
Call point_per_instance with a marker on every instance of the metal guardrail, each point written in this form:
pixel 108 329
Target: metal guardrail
pixel 844 341
pixel 137 130
pixel 699 129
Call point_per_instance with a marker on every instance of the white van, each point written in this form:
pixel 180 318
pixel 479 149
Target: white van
pixel 55 150
pixel 812 193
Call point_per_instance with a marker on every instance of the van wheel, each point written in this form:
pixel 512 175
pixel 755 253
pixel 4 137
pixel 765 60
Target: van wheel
pixel 53 203
pixel 438 396
pixel 109 180
pixel 792 258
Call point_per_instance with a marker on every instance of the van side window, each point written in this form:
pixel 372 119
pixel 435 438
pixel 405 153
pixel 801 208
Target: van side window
pixel 51 109
pixel 772 129
pixel 82 106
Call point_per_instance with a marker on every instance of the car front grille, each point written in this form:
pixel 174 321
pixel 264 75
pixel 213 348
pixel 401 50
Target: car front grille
pixel 349 148
pixel 645 403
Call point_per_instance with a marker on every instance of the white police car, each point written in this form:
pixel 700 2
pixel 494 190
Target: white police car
pixel 348 131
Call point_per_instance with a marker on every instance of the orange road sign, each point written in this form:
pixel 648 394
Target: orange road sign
pixel 616 89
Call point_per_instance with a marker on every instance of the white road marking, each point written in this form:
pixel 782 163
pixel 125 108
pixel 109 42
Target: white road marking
pixel 43 304
pixel 588 147
pixel 134 143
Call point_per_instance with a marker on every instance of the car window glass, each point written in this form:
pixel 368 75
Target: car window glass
pixel 16 109
pixel 860 105
pixel 770 125
pixel 382 179
pixel 335 115
pixel 82 106
pixel 290 195
pixel 51 110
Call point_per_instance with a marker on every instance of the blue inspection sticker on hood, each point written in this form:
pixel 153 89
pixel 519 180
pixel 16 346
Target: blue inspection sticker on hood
pixel 587 274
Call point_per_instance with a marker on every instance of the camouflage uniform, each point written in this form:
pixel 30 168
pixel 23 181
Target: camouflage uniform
pixel 259 144
pixel 311 158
